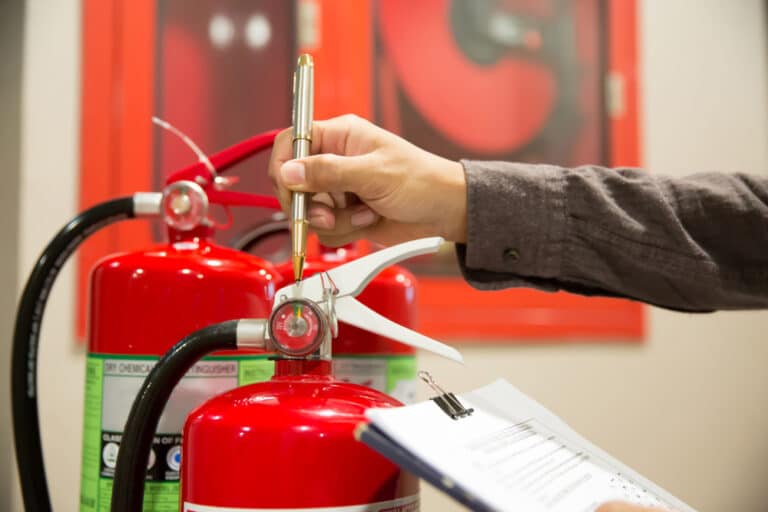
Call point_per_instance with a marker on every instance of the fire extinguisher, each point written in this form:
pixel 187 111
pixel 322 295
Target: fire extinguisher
pixel 140 303
pixel 360 357
pixel 287 443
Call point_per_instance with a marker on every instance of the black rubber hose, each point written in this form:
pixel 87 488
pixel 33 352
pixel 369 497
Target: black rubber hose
pixel 26 335
pixel 131 468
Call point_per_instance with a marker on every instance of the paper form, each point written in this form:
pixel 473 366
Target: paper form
pixel 514 454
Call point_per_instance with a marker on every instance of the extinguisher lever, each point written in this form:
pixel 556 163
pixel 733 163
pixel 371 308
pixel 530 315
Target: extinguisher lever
pixel 351 278
pixel 224 159
pixel 235 198
pixel 354 312
pixel 338 287
pixel 205 173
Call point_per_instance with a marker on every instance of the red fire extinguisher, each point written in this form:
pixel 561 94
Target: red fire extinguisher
pixel 287 443
pixel 140 303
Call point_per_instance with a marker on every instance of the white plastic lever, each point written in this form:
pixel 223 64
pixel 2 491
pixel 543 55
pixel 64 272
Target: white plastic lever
pixel 351 278
pixel 348 280
pixel 354 312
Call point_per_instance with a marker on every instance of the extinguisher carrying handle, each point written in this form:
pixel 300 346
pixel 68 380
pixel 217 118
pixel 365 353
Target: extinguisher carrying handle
pixel 26 335
pixel 204 173
pixel 339 287
pixel 131 468
pixel 225 159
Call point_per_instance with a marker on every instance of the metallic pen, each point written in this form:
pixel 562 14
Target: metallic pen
pixel 303 92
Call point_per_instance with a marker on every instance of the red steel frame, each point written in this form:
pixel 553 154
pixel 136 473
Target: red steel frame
pixel 116 157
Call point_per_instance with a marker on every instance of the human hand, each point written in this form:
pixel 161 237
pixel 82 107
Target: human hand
pixel 369 183
pixel 618 506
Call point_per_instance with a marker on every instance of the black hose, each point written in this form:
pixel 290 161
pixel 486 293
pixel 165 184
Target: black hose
pixel 250 240
pixel 131 468
pixel 26 335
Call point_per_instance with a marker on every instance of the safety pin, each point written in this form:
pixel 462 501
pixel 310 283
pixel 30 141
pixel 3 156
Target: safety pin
pixel 330 291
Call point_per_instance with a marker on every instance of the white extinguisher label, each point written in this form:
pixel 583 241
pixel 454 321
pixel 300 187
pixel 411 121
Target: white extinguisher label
pixel 407 504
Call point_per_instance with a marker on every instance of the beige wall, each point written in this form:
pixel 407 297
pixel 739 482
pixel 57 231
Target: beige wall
pixel 688 408
pixel 48 196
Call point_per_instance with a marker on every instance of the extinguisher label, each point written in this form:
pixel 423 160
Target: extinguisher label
pixel 407 504
pixel 112 382
pixel 394 375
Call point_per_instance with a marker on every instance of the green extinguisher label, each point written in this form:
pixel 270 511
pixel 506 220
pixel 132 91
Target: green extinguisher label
pixel 111 383
pixel 89 478
pixel 394 375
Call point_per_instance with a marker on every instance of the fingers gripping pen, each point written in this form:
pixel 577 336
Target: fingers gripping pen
pixel 303 92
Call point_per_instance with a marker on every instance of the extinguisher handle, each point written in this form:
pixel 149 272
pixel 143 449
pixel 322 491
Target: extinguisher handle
pixel 225 159
pixel 351 278
pixel 354 312
pixel 205 172
pixel 341 284
pixel 234 198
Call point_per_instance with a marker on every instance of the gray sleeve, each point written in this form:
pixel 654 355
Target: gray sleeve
pixel 698 243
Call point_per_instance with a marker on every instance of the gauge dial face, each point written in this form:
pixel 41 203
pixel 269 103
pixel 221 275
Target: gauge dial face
pixel 296 327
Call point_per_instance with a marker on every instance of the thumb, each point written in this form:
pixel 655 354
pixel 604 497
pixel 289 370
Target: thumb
pixel 326 173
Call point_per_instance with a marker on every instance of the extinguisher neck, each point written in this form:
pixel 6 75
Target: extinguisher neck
pixel 297 367
pixel 197 234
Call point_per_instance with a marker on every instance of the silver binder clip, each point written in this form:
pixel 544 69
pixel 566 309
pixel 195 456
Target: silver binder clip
pixel 445 400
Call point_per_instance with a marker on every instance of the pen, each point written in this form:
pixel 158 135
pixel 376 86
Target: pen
pixel 303 92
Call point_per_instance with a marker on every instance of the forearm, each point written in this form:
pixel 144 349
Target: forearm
pixel 697 244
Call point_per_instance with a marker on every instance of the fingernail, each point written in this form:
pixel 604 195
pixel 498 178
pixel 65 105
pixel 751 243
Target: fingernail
pixel 320 217
pixel 363 218
pixel 292 173
pixel 320 221
pixel 323 198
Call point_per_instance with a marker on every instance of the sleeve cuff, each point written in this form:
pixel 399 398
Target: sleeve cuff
pixel 516 219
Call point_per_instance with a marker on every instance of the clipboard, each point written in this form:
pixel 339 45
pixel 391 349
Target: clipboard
pixel 495 449
pixel 380 442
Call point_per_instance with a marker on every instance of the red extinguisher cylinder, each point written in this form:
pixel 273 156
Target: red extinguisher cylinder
pixel 289 443
pixel 142 302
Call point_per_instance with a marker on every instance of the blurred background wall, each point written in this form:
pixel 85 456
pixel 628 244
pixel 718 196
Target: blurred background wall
pixel 11 36
pixel 686 408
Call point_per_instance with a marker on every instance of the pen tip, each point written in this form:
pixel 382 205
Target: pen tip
pixel 298 268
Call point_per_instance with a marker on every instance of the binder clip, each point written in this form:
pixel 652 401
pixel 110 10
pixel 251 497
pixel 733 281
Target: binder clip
pixel 445 400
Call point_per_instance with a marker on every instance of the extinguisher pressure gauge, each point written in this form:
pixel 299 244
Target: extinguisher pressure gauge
pixel 297 327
